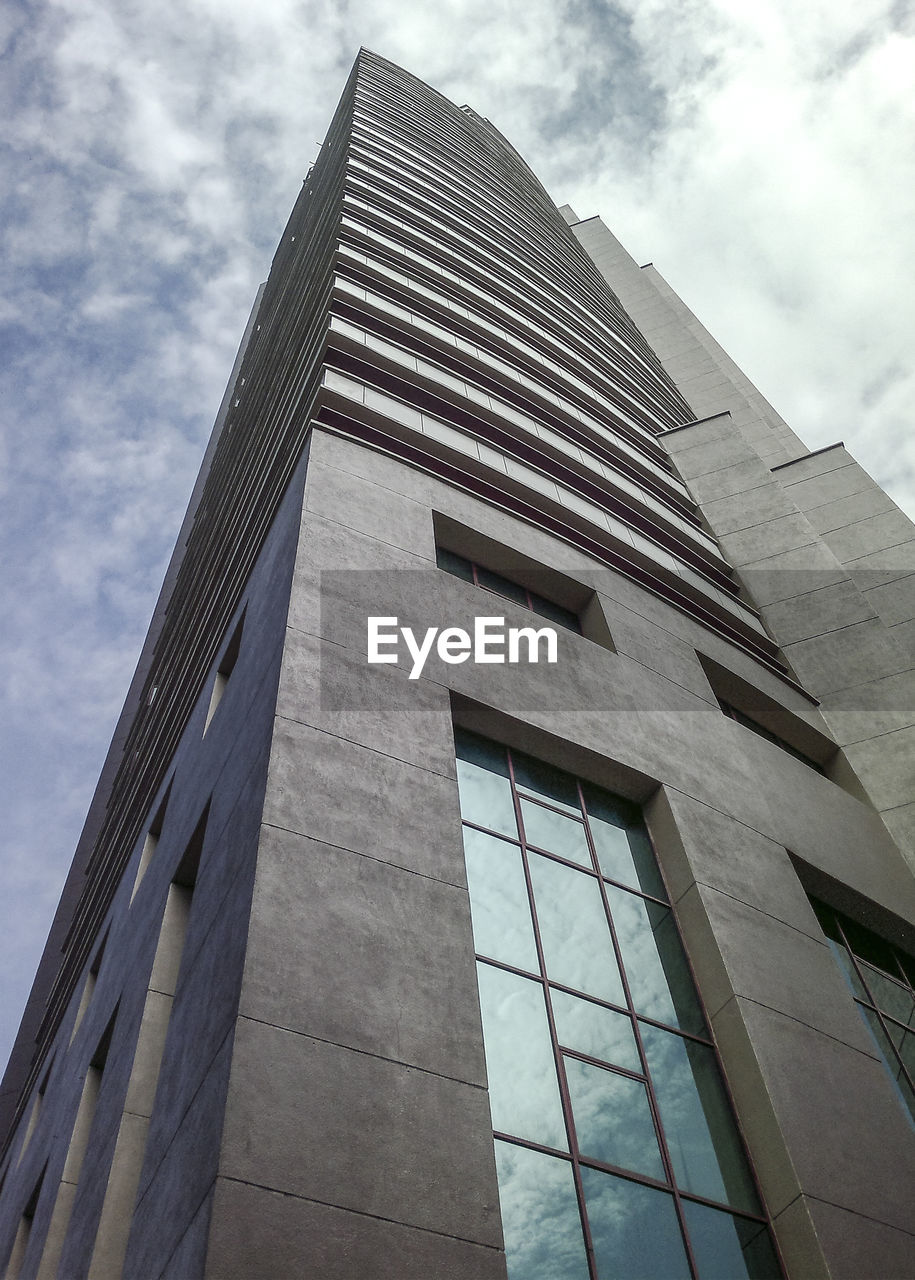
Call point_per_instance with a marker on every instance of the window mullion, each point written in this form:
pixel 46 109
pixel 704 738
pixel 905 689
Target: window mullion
pixel 649 1084
pixel 564 1094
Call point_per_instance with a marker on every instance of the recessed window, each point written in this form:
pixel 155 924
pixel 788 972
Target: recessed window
pixel 749 723
pixel 224 671
pixel 21 1243
pixel 498 585
pixel 89 986
pixel 116 1219
pixel 882 981
pixel 616 1147
pixel 151 842
pixel 35 1112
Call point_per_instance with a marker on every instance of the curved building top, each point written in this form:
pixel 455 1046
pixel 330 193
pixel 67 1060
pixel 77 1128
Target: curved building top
pixel 470 333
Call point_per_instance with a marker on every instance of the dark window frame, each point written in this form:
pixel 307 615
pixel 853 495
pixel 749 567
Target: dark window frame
pixel 488 579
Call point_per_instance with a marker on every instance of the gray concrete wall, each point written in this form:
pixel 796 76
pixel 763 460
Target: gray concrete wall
pixel 822 551
pixel 841 618
pixel 357 1124
pixel 170 1133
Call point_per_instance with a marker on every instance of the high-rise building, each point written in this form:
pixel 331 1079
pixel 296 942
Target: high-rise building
pixel 389 958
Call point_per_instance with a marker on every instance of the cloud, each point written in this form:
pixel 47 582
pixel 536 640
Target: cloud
pixel 757 154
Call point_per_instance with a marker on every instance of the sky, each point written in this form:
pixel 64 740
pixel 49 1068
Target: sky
pixel 759 154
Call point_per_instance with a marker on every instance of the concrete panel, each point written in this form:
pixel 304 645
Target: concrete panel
pixel 821 490
pixel 327 546
pixel 703 458
pixel 202 1018
pixel 802 1252
pixel 815 612
pixel 707 388
pixel 895 601
pixel 901 824
pixel 855 1246
pixel 848 510
pixel 367 464
pixel 679 367
pixel 851 656
pixel 227 865
pixel 893 562
pixel 886 766
pixel 791 573
pixel 859 1157
pixel 770 539
pixel 144 1076
pixel 189 1259
pixel 743 510
pixel 379 979
pixel 257 1232
pixel 718 427
pixel 877 533
pixel 49 1262
pixel 871 709
pixel 830 458
pixel 697 843
pixel 382 1138
pixel 364 801
pixel 904 635
pixel 568 688
pixel 120 1196
pixel 172 931
pixel 369 508
pixel 338 691
pixel 655 648
pixel 736 949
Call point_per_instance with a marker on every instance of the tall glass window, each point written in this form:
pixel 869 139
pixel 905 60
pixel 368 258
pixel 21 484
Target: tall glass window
pixel 882 979
pixel 617 1152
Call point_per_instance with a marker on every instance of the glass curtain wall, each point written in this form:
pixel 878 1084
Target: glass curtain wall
pixel 617 1152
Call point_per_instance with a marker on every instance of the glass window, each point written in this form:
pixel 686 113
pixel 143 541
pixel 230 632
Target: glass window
pixel 634 1229
pixel 613 1118
pixel 623 849
pixel 659 980
pixel 729 1248
pixel 591 1029
pixel 540 1216
pixel 600 1054
pixel 502 926
pixel 704 1148
pixel 497 584
pixel 881 979
pixel 553 831
pixel 485 790
pixel 574 933
pixel 523 1089
pixel 552 785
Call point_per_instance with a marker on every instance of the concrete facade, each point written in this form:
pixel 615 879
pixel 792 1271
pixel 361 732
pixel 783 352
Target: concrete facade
pixel 279 1070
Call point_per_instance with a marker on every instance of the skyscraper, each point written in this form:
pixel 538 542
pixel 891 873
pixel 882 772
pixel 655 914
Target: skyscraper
pixel 504 857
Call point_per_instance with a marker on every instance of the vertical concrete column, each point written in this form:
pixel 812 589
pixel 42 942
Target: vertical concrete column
pixel 127 1162
pixel 836 1176
pixel 69 1180
pixel 873 713
pixel 819 608
pixel 358 1138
